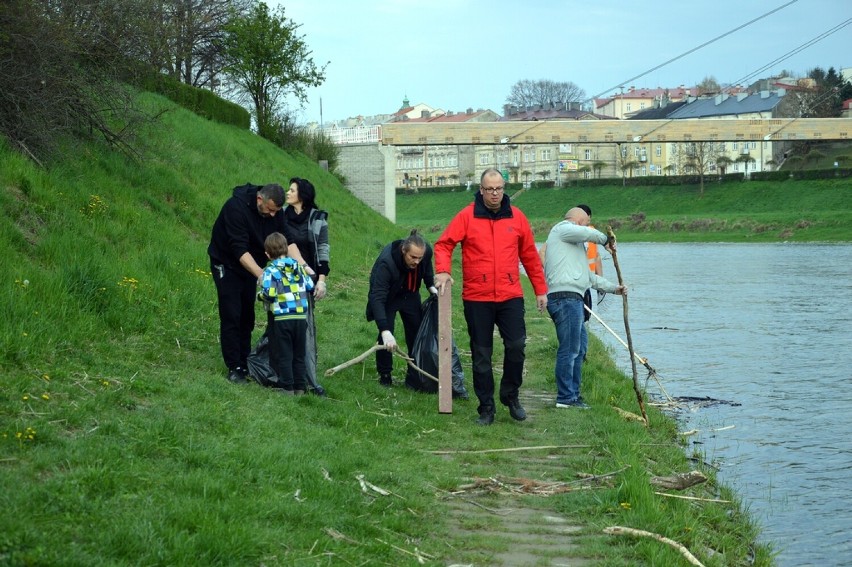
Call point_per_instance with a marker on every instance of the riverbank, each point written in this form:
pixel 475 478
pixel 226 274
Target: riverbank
pixel 121 442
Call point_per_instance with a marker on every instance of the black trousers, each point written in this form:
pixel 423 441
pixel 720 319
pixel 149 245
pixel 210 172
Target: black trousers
pixel 481 316
pixel 408 307
pixel 287 341
pixel 236 290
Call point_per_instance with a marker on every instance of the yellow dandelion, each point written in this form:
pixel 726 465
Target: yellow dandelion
pixel 45 396
pixel 625 505
pixel 25 397
pixel 46 377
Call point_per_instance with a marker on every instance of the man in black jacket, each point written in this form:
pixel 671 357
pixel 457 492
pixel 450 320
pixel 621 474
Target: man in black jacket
pixel 237 258
pixel 395 288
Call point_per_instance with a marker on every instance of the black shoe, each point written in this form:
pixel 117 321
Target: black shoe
pixel 236 376
pixel 485 418
pixel 318 391
pixel 516 410
pixel 386 380
pixel 460 395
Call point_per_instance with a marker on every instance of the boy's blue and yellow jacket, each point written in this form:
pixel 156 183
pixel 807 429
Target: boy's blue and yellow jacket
pixel 284 288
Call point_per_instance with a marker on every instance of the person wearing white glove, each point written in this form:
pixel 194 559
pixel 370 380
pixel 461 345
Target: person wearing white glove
pixel 395 280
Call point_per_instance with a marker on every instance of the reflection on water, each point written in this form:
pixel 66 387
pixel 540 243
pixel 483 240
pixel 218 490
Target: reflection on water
pixel 768 326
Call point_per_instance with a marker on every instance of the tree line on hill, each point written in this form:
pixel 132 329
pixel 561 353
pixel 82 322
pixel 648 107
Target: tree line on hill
pixel 65 64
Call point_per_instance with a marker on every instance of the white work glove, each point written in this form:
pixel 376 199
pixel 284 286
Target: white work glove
pixel 433 290
pixel 319 290
pixel 308 270
pixel 388 340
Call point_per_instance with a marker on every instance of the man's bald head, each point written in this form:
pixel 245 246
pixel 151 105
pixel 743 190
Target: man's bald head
pixel 577 216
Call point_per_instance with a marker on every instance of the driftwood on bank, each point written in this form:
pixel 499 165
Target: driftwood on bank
pixel 679 481
pixel 619 530
pixel 630 416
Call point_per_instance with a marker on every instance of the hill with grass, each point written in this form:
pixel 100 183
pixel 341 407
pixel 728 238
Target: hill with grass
pixel 121 442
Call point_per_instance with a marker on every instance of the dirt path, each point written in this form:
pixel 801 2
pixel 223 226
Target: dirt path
pixel 508 529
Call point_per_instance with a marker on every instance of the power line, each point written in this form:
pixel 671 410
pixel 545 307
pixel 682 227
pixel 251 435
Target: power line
pixel 694 49
pixel 790 53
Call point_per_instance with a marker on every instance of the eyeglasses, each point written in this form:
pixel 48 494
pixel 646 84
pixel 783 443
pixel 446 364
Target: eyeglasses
pixel 492 190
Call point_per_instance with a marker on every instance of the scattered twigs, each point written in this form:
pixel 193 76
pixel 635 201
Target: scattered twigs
pixel 695 498
pixel 596 477
pixel 636 389
pixel 368 487
pixel 618 530
pixel 652 372
pixel 509 449
pixel 679 481
pixel 518 486
pixel 422 557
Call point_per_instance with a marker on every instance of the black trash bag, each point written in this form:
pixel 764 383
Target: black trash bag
pixel 425 355
pixel 258 364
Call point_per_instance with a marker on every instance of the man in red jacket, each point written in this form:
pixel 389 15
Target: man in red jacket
pixel 495 238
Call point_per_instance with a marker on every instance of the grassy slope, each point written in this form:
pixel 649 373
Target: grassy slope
pixel 754 211
pixel 122 444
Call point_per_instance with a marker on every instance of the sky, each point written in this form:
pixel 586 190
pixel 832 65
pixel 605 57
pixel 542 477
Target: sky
pixel 459 54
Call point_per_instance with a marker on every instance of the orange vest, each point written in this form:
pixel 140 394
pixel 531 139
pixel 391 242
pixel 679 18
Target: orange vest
pixel 592 252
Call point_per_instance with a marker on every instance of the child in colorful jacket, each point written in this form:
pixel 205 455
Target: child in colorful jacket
pixel 284 288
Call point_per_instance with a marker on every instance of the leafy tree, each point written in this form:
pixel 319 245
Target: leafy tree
pixel 544 91
pixel 745 159
pixel 722 162
pixel 267 59
pixel 598 166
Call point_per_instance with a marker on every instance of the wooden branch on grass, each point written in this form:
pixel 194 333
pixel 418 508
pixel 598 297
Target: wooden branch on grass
pixel 361 357
pixel 509 449
pixel 695 498
pixel 679 481
pixel 619 530
pixel 355 360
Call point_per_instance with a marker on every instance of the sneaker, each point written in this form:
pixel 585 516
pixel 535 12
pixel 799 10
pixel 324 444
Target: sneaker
pixel 236 376
pixel 485 418
pixel 576 404
pixel 386 380
pixel 516 410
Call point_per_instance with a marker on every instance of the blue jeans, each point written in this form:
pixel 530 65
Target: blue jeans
pixel 567 315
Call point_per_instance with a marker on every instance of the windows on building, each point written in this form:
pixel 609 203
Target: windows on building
pixel 658 151
pixel 545 154
pixel 587 154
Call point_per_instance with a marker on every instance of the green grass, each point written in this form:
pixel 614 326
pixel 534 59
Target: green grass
pixel 121 443
pixel 752 211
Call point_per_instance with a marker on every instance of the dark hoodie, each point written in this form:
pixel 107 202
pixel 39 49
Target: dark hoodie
pixel 391 278
pixel 240 228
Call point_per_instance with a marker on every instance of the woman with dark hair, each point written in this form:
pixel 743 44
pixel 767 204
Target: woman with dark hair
pixel 309 228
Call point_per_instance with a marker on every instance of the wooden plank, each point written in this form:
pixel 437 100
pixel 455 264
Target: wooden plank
pixel 614 131
pixel 445 350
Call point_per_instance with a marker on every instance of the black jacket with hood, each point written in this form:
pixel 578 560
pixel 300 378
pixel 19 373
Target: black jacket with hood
pixel 390 278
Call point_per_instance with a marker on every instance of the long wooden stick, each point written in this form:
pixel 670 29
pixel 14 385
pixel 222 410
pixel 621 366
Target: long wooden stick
pixel 627 329
pixel 371 350
pixel 618 530
pixel 355 360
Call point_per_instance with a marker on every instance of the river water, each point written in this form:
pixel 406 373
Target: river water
pixel 768 327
